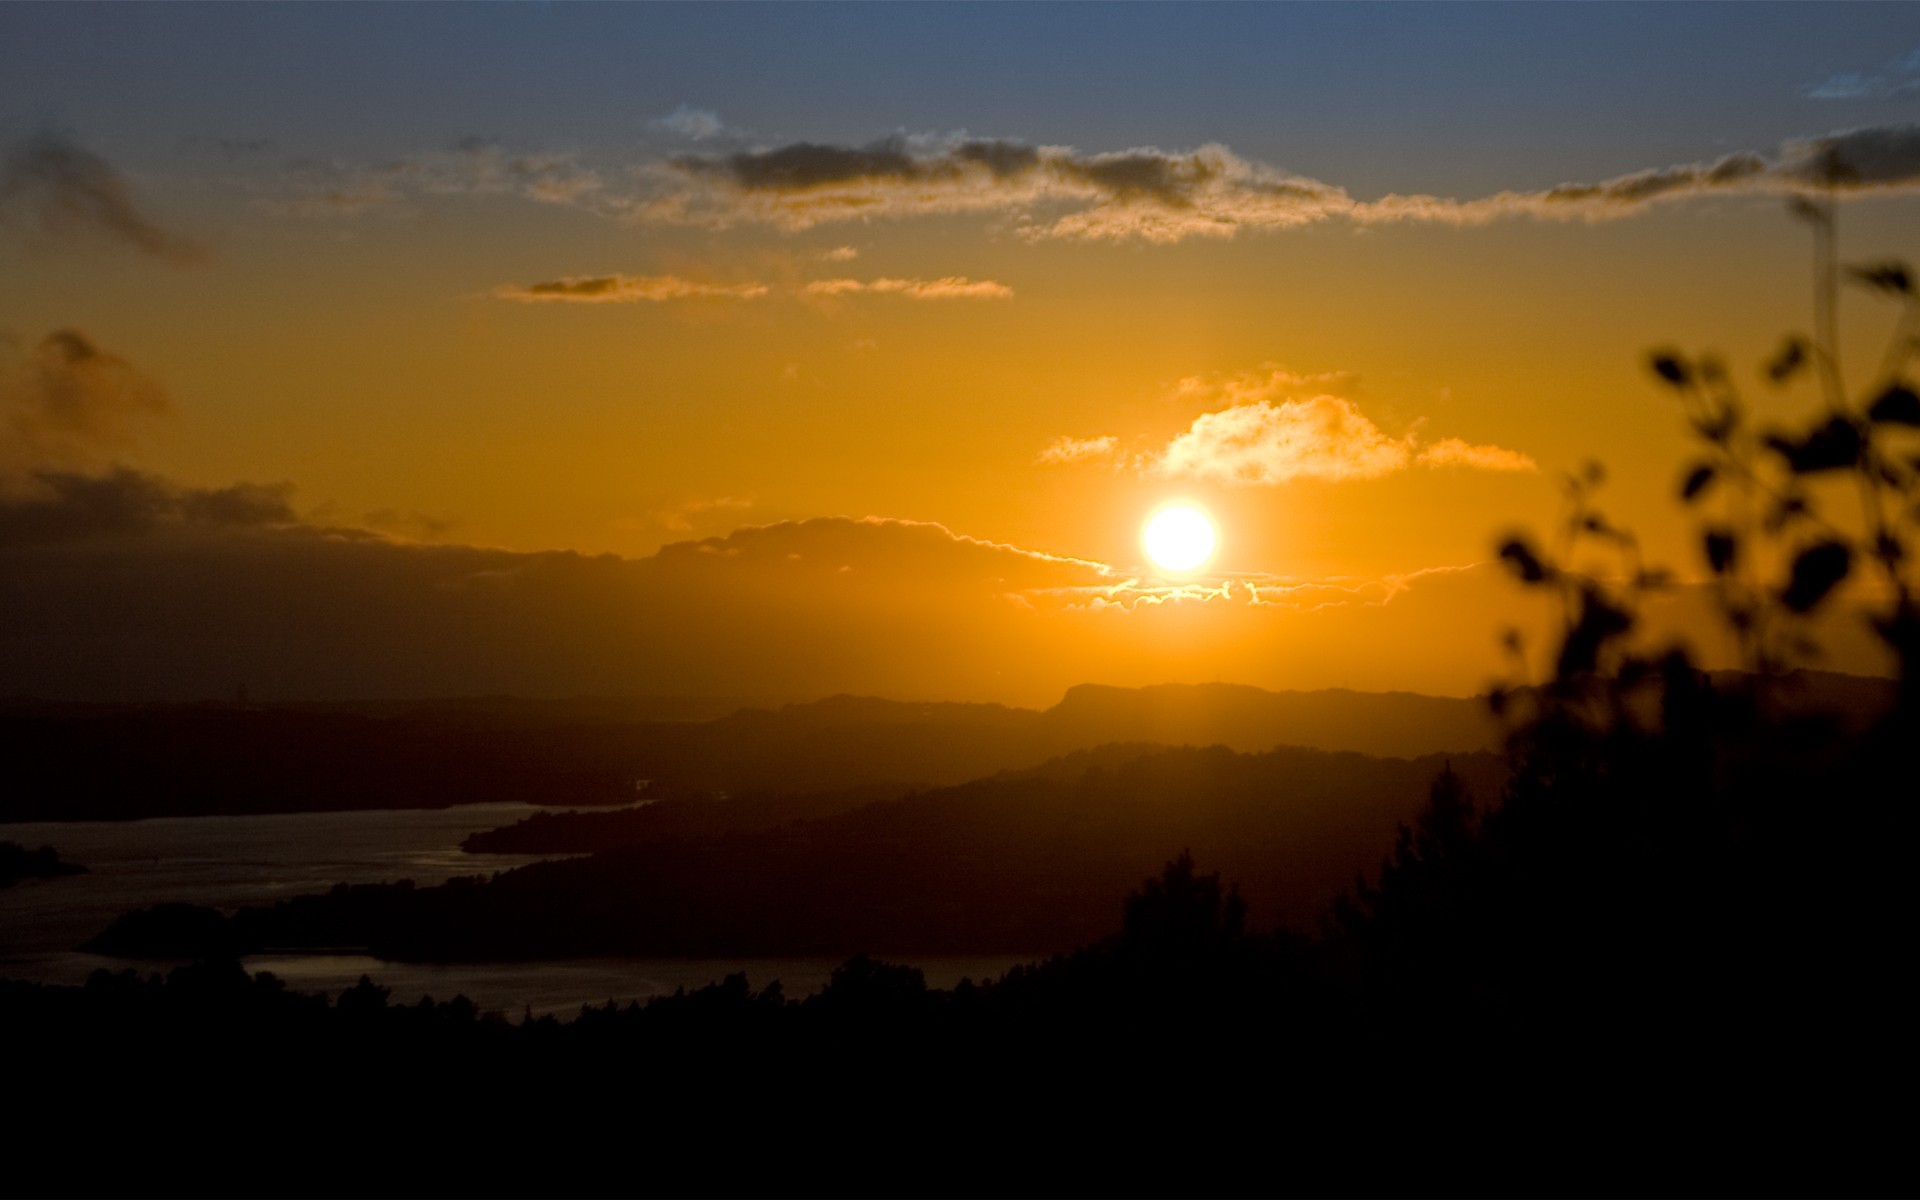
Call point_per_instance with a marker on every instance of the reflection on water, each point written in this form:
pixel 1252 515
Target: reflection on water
pixel 562 987
pixel 228 862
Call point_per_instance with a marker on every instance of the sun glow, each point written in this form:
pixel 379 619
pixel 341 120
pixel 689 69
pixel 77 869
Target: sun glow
pixel 1178 537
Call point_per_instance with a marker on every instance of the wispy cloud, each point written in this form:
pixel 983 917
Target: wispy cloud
pixel 1075 450
pixel 1144 194
pixel 67 506
pixel 67 402
pixel 69 192
pixel 1899 79
pixel 1152 195
pixel 1452 452
pixel 474 167
pixel 680 517
pixel 631 289
pixel 694 124
pixel 952 287
pixel 626 289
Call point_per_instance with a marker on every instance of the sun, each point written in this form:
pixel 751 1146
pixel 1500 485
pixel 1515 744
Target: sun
pixel 1178 536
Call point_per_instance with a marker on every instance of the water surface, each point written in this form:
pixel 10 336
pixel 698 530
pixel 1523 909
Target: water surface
pixel 228 862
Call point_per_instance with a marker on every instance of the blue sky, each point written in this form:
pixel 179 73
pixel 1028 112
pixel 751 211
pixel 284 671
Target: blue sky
pixel 1378 97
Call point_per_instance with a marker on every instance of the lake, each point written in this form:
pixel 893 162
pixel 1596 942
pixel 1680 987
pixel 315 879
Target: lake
pixel 228 862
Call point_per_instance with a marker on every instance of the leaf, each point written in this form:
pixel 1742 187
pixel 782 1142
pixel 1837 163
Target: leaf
pixel 1696 482
pixel 1831 446
pixel 1898 405
pixel 1669 366
pixel 1790 508
pixel 1891 276
pixel 1816 571
pixel 1901 629
pixel 1792 356
pixel 1521 559
pixel 1723 548
pixel 1599 623
pixel 1718 427
pixel 1890 549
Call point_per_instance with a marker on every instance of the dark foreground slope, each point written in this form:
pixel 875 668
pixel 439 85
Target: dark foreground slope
pixel 1184 1055
pixel 1023 862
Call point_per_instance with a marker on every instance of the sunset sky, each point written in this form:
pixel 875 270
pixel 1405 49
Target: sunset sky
pixel 846 347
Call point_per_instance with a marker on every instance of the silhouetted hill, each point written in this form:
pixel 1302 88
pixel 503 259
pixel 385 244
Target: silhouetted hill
pixel 1399 724
pixel 18 863
pixel 1026 861
pixel 82 762
pixel 179 761
pixel 576 832
pixel 77 762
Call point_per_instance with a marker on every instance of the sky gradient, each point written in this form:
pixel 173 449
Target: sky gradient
pixel 785 350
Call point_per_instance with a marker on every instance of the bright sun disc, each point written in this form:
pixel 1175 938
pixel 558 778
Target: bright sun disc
pixel 1178 537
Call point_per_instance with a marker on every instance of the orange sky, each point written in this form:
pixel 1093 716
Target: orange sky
pixel 748 334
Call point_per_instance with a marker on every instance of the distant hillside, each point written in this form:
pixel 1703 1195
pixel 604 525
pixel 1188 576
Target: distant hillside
pixel 1399 724
pixel 1023 862
pixel 78 762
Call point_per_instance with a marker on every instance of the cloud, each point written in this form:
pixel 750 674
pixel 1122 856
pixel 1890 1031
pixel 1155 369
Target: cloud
pixel 1323 437
pixel 1153 195
pixel 1065 449
pixel 694 124
pixel 1876 159
pixel 625 289
pixel 1452 452
pixel 473 167
pixel 113 586
pixel 1142 193
pixel 679 518
pixel 67 506
pixel 65 405
pixel 1271 426
pixel 407 523
pixel 952 287
pixel 1899 79
pixel 67 401
pixel 841 254
pixel 1849 86
pixel 923 553
pixel 125 586
pixel 68 192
